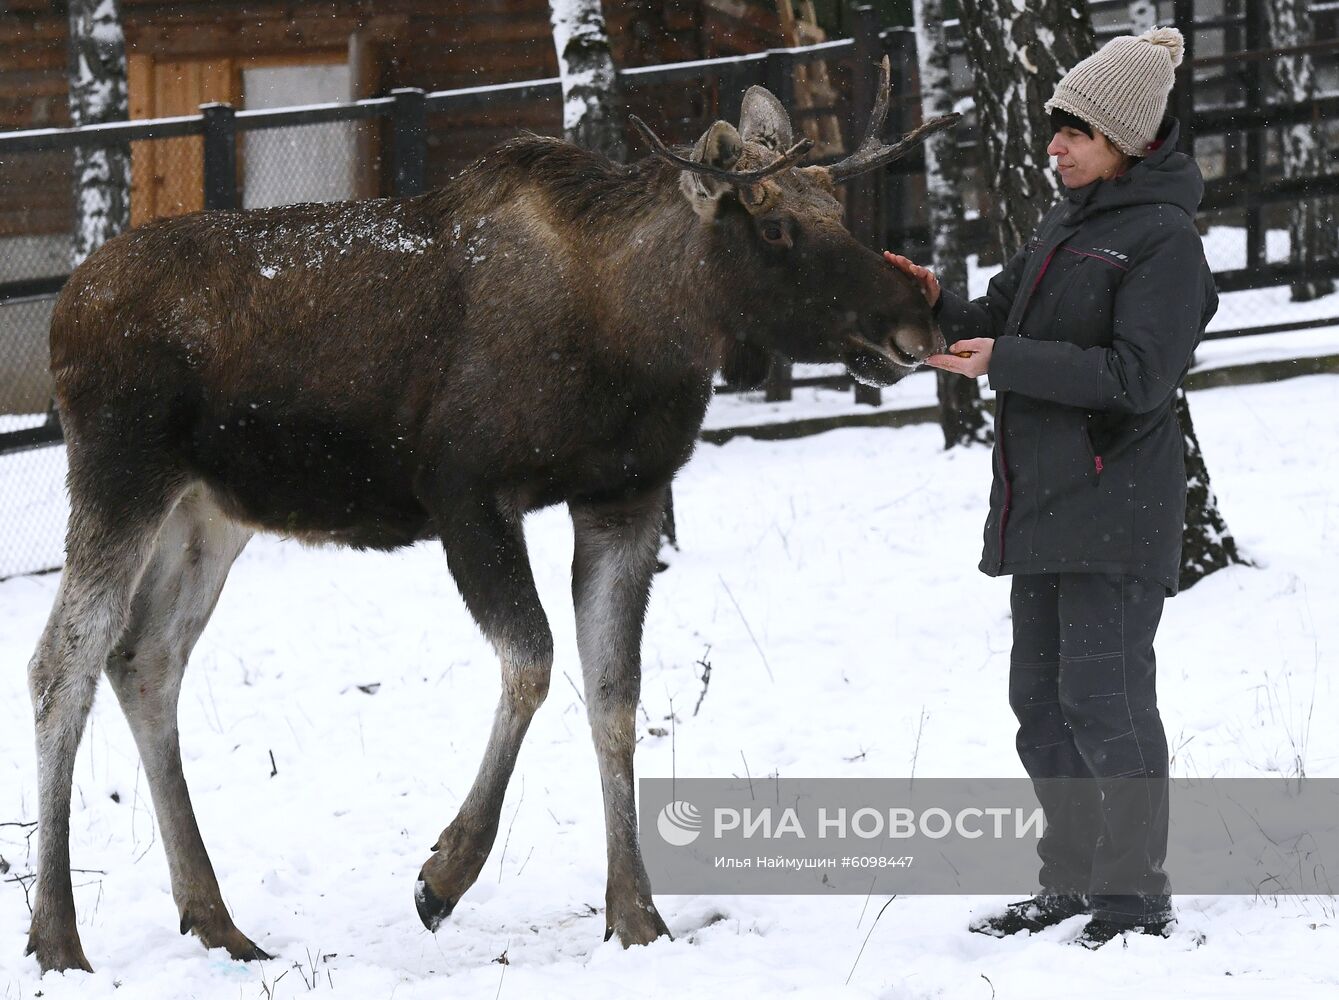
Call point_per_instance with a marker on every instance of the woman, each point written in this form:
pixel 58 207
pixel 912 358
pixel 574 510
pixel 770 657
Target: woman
pixel 1085 336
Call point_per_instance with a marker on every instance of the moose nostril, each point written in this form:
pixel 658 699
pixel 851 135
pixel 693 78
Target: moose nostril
pixel 912 343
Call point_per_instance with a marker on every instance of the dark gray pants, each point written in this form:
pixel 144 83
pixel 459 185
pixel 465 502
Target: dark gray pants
pixel 1082 684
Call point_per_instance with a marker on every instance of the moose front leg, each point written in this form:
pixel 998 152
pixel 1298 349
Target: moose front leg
pixel 485 550
pixel 613 560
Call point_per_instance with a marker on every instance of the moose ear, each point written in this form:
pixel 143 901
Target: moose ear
pixel 719 147
pixel 763 119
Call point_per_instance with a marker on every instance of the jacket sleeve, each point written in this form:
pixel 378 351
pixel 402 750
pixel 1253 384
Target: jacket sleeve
pixel 1157 319
pixel 960 318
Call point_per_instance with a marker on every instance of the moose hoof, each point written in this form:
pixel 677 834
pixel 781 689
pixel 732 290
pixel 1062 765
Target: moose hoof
pixel 637 923
pixel 249 951
pixel 432 909
pixel 447 875
pixel 226 936
pixel 58 952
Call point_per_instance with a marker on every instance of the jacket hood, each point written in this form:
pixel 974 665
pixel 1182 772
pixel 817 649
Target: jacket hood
pixel 1163 177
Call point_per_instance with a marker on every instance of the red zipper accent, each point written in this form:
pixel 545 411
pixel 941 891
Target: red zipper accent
pixel 1044 265
pixel 1097 463
pixel 1095 256
pixel 1008 486
pixel 1004 459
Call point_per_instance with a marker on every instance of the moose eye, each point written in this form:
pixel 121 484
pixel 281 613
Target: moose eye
pixel 774 232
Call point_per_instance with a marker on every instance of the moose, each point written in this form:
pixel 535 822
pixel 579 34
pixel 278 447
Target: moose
pixel 543 329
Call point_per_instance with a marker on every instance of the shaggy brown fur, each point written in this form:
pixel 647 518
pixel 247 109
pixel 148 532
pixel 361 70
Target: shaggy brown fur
pixel 542 330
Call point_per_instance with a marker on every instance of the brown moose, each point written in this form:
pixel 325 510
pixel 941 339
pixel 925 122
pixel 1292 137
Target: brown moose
pixel 543 329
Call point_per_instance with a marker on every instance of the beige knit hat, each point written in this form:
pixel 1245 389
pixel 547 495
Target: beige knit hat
pixel 1121 89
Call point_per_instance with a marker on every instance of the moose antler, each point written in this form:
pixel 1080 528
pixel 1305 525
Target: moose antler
pixel 740 178
pixel 872 152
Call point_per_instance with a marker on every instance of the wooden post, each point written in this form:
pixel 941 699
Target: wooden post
pixel 220 167
pixel 1183 98
pixel 863 211
pixel 366 57
pixel 1234 92
pixel 814 96
pixel 732 88
pixel 904 74
pixel 860 193
pixel 780 76
pixel 1257 32
pixel 410 117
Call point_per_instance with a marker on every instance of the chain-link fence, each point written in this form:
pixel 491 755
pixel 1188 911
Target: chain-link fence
pixel 36 245
pixel 35 216
pixel 275 166
pixel 304 163
pixel 33 509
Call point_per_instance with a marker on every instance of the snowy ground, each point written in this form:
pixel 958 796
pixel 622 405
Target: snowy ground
pixel 850 557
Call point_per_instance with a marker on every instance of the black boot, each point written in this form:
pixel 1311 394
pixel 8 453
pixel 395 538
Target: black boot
pixel 1035 914
pixel 1098 931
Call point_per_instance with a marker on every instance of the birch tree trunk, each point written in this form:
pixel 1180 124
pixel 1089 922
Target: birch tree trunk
pixel 591 105
pixel 593 119
pixel 962 414
pixel 1206 544
pixel 1018 53
pixel 97 70
pixel 1312 234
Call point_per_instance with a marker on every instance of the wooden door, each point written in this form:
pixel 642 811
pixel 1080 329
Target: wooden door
pixel 167 175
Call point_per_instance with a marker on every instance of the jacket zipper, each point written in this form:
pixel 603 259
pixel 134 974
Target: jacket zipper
pixel 1097 459
pixel 999 419
pixel 1004 474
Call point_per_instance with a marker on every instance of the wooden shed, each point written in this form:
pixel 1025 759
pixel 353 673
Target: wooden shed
pixel 273 53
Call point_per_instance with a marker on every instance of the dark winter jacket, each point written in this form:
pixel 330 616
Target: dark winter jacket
pixel 1094 321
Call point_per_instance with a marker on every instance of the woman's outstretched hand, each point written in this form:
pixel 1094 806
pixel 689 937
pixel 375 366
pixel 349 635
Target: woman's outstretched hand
pixel 923 276
pixel 970 357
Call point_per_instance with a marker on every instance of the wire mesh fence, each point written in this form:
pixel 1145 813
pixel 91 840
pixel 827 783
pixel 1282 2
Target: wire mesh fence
pixel 25 383
pixel 302 163
pixel 35 215
pixel 36 246
pixel 33 508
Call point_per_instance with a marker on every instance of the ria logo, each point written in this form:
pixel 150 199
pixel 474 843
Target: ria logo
pixel 679 823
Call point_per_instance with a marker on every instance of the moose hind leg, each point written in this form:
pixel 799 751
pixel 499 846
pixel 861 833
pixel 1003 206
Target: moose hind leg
pixel 172 605
pixel 109 538
pixel 613 560
pixel 485 550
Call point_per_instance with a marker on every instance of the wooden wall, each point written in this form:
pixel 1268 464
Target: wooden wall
pixel 433 44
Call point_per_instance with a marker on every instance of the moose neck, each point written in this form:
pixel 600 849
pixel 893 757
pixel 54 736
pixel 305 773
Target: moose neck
pixel 636 258
pixel 661 260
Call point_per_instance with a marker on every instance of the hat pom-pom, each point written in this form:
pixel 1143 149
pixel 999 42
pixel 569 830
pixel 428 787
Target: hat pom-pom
pixel 1169 38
